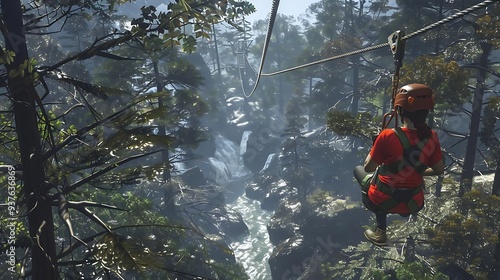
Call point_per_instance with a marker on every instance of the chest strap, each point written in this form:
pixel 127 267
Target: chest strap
pixel 411 156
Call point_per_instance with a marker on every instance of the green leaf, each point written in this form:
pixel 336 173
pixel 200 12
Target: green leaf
pixel 120 254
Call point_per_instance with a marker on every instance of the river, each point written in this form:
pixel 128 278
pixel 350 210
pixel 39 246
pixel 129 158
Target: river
pixel 253 251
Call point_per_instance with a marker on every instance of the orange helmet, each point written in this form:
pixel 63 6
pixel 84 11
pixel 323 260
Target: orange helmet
pixel 414 97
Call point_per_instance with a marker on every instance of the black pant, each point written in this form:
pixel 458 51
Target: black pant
pixel 381 216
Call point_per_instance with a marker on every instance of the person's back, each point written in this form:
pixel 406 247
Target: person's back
pixel 399 171
pixel 401 157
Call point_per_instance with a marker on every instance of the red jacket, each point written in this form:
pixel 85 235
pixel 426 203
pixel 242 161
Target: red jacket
pixel 388 149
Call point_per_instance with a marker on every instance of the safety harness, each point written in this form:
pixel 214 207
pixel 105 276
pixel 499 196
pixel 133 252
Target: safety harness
pixel 411 158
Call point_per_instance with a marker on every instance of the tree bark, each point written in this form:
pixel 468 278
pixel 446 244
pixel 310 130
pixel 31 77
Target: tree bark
pixel 23 93
pixel 477 104
pixel 496 189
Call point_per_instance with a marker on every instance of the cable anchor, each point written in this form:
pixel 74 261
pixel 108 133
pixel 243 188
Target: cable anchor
pixel 397 46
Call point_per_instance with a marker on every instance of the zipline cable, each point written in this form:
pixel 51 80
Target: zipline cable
pixel 272 19
pixel 450 18
pixel 413 34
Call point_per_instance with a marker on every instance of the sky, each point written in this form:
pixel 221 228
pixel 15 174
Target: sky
pixel 286 7
pixel 263 7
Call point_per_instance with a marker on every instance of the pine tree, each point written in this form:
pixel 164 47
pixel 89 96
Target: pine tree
pixel 294 154
pixel 64 156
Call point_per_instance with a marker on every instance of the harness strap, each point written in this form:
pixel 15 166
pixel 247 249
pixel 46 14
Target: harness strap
pixel 392 202
pixel 365 183
pixel 411 154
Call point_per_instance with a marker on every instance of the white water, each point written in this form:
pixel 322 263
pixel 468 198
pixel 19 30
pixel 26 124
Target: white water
pixel 253 251
pixel 227 162
pixel 244 142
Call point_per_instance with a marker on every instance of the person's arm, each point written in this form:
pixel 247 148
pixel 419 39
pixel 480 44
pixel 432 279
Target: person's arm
pixel 370 165
pixel 436 169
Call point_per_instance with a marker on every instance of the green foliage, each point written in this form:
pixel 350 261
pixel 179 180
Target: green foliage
pixel 368 262
pixel 344 27
pixel 118 254
pixel 7 57
pixel 462 231
pixel 344 123
pixel 447 79
pixel 294 155
pixel 490 26
pixel 141 240
pixel 373 261
pixel 187 12
pixel 491 113
pixel 25 70
pixel 468 237
pixel 287 46
pixel 111 147
pixel 415 270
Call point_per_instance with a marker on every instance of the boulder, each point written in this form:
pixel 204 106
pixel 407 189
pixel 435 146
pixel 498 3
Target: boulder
pixel 275 193
pixel 234 189
pixel 280 230
pixel 211 194
pixel 261 143
pixel 261 185
pixel 287 258
pixel 232 224
pixel 255 191
pixel 193 177
pixel 284 223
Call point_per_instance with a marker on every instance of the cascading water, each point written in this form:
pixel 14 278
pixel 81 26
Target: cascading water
pixel 227 162
pixel 253 250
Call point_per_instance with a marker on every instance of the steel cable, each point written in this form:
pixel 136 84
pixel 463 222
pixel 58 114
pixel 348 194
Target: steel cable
pixel 272 18
pixel 413 34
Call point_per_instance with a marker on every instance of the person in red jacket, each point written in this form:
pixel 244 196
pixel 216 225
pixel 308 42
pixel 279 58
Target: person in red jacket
pixel 399 158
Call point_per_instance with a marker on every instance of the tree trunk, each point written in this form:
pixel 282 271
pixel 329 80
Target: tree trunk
pixel 496 186
pixel 355 101
pixel 23 93
pixel 217 58
pixel 495 271
pixel 477 104
pixel 168 191
pixel 355 91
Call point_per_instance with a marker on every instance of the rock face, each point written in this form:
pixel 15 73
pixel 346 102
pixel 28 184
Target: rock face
pixel 275 193
pixel 193 177
pixel 262 142
pixel 306 239
pixel 234 189
pixel 285 222
pixel 286 259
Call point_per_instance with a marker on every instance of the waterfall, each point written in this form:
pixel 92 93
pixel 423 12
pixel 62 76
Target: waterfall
pixel 222 173
pixel 253 250
pixel 244 142
pixel 227 161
